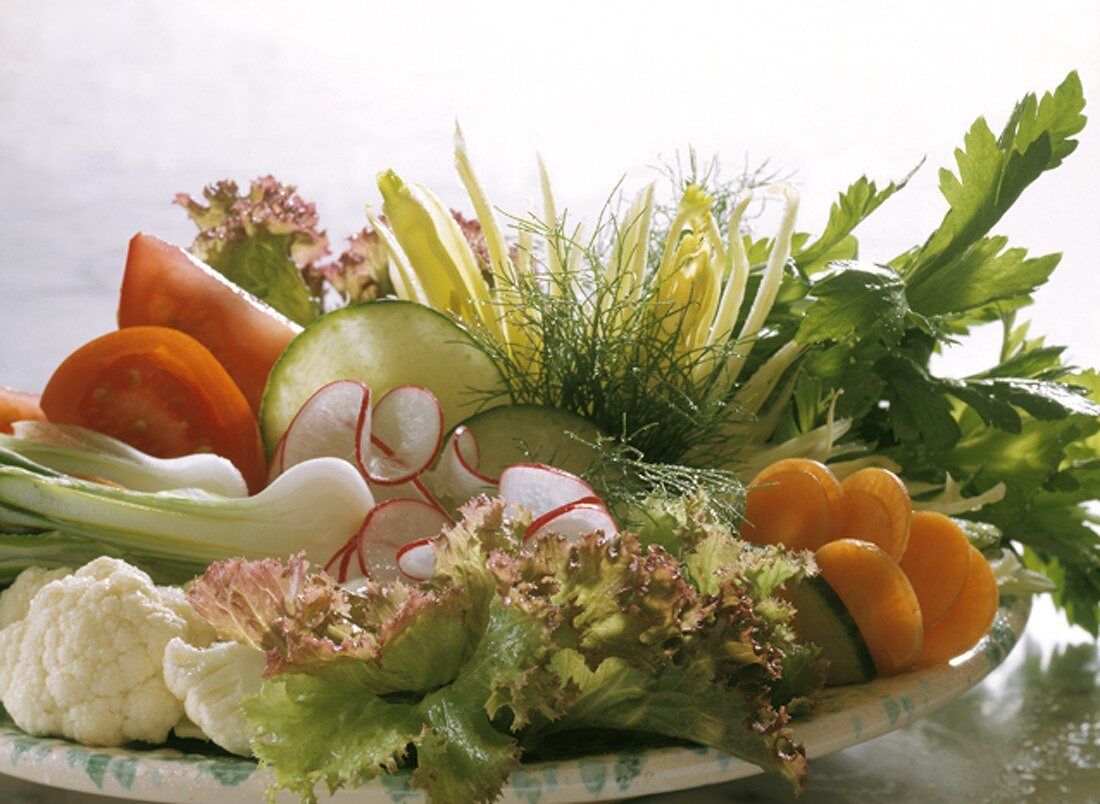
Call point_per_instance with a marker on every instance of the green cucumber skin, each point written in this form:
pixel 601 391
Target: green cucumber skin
pixel 824 620
pixel 444 350
pixel 530 424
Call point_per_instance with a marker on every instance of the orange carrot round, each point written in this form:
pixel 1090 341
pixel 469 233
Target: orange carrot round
pixel 969 618
pixel 792 503
pixel 936 563
pixel 880 599
pixel 876 508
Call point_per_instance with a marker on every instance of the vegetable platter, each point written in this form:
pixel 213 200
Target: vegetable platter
pixel 460 510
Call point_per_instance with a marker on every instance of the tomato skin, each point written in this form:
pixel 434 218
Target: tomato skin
pixel 167 287
pixel 17 406
pixel 160 391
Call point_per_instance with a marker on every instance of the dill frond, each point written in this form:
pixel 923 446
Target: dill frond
pixel 613 357
pixel 626 480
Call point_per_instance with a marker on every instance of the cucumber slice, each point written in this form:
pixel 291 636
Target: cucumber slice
pixel 383 344
pixel 531 434
pixel 823 619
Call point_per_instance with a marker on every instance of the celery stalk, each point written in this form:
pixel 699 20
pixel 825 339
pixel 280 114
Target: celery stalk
pixel 315 506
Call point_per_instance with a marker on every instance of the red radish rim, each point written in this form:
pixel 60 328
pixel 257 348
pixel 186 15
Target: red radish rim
pixel 389 453
pixel 381 445
pixel 277 468
pixel 358 537
pixel 364 407
pixel 588 503
pixel 403 501
pixel 553 469
pixel 406 548
pixel 431 499
pixel 343 555
pixel 462 460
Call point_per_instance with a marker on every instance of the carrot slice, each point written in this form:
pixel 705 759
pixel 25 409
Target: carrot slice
pixel 876 508
pixel 936 562
pixel 823 473
pixel 880 599
pixel 969 618
pixel 791 503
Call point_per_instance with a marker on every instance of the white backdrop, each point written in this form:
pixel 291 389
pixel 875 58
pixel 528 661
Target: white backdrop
pixel 107 110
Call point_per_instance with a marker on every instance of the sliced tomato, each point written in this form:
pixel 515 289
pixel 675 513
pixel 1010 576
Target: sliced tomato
pixel 160 391
pixel 164 286
pixel 17 406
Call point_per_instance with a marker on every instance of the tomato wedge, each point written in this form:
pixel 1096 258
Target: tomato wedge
pixel 17 406
pixel 165 286
pixel 160 391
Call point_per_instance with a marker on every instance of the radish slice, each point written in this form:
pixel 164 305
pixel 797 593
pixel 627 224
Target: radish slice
pixel 406 432
pixel 327 424
pixel 455 477
pixel 278 463
pixel 346 564
pixel 417 560
pixel 389 527
pixel 574 521
pixel 414 489
pixel 541 489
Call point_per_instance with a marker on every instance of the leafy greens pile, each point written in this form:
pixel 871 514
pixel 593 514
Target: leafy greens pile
pixel 511 644
pixel 693 343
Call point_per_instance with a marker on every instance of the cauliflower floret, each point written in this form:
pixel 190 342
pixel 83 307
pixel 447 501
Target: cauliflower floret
pixel 15 600
pixel 211 682
pixel 86 662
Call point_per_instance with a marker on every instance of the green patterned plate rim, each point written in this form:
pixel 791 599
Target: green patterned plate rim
pixel 846 716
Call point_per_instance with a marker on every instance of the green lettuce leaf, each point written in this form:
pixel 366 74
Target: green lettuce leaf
pixel 683 701
pixel 262 241
pixel 471 669
pixel 313 729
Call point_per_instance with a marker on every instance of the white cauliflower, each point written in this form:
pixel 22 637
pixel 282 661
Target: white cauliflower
pixel 16 599
pixel 211 682
pixel 86 662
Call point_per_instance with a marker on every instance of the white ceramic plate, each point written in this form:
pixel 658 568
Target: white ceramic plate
pixel 845 717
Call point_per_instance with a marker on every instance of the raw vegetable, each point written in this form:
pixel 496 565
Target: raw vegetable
pixel 536 490
pixel 17 406
pixel 262 241
pixel 165 286
pixel 936 562
pixel 793 503
pixel 39 550
pixel 822 619
pixel 384 344
pixel 335 422
pixel 875 507
pixel 15 601
pixel 86 661
pixel 211 682
pixel 315 506
pixel 480 665
pixel 94 456
pixel 390 526
pixel 880 599
pixel 837 361
pixel 512 434
pixel 968 619
pixel 159 391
